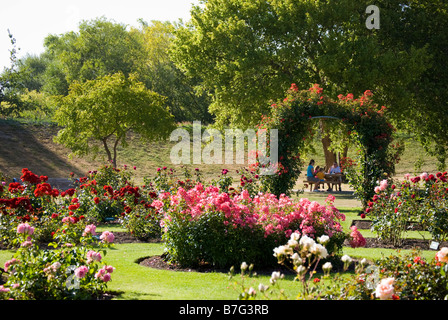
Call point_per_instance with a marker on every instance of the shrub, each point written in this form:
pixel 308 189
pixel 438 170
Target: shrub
pixel 207 225
pixel 398 205
pixel 69 272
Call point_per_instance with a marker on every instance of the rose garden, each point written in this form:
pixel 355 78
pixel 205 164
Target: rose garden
pixel 56 242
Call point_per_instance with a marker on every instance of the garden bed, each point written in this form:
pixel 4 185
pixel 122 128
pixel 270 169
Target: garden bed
pixel 159 262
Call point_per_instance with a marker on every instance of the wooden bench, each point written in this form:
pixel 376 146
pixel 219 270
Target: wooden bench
pixel 330 179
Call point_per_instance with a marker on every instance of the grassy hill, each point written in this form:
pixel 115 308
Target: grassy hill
pixel 25 145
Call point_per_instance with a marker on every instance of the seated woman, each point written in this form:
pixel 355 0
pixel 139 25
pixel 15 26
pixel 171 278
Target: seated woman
pixel 335 169
pixel 310 176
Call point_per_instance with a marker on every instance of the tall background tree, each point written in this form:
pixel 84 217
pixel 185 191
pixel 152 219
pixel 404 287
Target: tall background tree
pixel 249 51
pixel 102 47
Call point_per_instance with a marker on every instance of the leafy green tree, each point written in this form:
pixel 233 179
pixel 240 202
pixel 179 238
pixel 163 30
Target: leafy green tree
pixel 248 52
pixel 101 47
pixel 105 110
pixel 11 84
pixel 158 72
pixel 104 47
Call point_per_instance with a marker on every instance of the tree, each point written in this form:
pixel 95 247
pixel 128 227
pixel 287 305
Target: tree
pixel 105 110
pixel 159 73
pixel 11 84
pixel 104 47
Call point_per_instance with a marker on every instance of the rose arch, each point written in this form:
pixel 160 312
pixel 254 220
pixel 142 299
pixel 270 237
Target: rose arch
pixel 363 120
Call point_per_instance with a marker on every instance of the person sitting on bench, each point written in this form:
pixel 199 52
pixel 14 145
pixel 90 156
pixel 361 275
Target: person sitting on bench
pixel 321 176
pixel 336 169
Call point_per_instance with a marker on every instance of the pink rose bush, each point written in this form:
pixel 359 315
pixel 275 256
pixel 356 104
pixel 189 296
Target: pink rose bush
pixel 67 272
pixel 224 229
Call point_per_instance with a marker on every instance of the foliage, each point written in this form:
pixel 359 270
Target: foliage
pixel 246 52
pixel 205 225
pixel 157 70
pixel 71 272
pixel 105 110
pixel 11 84
pixel 416 278
pixel 397 277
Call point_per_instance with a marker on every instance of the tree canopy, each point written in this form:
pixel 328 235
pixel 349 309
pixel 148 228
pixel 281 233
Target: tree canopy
pixel 248 51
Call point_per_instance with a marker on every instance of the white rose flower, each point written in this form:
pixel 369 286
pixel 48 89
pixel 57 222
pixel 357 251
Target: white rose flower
pixel 301 270
pixel 262 287
pixel 327 266
pixel 306 242
pixel 295 236
pixel 293 243
pixel 319 250
pixel 346 259
pixel 282 251
pixel 296 259
pixel 275 276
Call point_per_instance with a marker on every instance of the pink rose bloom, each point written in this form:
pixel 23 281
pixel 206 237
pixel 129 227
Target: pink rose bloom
pixel 106 277
pixel 377 189
pixel 385 289
pixel 164 195
pixel 383 185
pixel 3 289
pixel 245 194
pixel 107 236
pixel 11 262
pixel 26 243
pixel 93 256
pixel 25 228
pixel 81 272
pixel 424 175
pixel 356 238
pixel 68 220
pixel 104 273
pixel 442 255
pixel 407 176
pixel 109 269
pixel 91 228
pixel 157 204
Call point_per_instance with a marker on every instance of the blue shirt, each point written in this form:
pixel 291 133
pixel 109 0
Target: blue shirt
pixel 335 170
pixel 310 171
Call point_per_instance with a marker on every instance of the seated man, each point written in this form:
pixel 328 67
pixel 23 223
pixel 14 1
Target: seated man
pixel 335 169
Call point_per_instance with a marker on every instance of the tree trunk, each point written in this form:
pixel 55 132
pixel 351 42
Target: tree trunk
pixel 114 161
pixel 330 157
pixel 106 147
